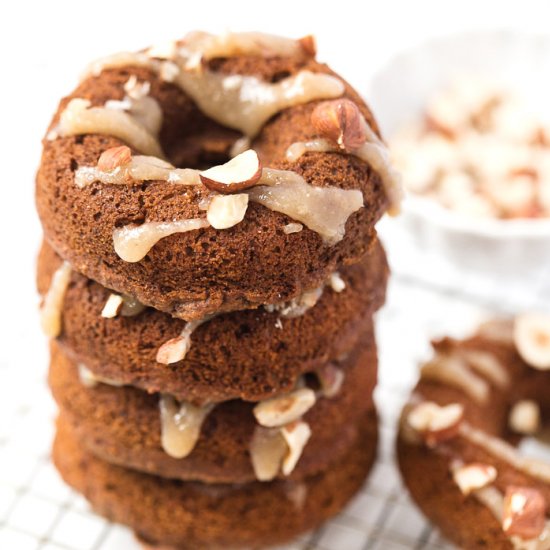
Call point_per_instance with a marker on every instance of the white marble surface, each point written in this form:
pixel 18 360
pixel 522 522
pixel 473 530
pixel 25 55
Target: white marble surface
pixel 44 47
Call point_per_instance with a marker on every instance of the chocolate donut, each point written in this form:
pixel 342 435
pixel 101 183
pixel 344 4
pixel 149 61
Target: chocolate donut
pixel 189 515
pixel 247 355
pixel 124 425
pixel 457 444
pixel 209 275
pixel 279 220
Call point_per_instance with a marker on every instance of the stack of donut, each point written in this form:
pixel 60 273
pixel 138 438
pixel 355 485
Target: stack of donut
pixel 209 272
pixel 457 450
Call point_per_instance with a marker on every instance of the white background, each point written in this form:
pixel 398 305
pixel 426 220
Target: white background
pixel 43 48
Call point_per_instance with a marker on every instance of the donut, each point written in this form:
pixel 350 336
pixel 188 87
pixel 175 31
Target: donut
pixel 125 426
pixel 217 174
pixel 457 445
pixel 249 355
pixel 189 515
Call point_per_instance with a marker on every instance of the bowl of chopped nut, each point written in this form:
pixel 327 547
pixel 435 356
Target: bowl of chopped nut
pixel 471 137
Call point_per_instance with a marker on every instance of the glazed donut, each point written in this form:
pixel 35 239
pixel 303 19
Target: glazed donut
pixel 475 400
pixel 249 355
pixel 262 228
pixel 193 516
pixel 126 426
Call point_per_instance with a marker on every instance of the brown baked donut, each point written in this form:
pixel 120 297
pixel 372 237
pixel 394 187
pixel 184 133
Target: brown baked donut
pixel 123 424
pixel 248 355
pixel 265 258
pixel 189 515
pixel 456 445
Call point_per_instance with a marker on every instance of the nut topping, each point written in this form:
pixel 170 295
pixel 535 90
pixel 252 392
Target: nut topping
pixel 525 417
pixel 173 350
pixel 340 121
pixel 112 306
pixel 241 172
pixel 474 476
pixel 225 211
pixel 296 436
pixel 524 513
pixel 337 283
pixel 279 411
pixel 114 158
pixel 267 449
pixel 436 423
pixel 309 45
pixel 331 379
pixel 532 339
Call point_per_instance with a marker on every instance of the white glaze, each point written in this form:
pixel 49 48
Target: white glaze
pixel 91 380
pixel 50 313
pixel 180 425
pixel 133 242
pixel 131 306
pixel 246 103
pixel 324 210
pixel 487 365
pixel 198 46
pixel 373 152
pixel 319 145
pixel 297 306
pixel 453 371
pixel 504 451
pixel 140 168
pixel 80 118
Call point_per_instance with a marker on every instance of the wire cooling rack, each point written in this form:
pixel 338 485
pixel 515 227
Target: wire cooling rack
pixel 38 512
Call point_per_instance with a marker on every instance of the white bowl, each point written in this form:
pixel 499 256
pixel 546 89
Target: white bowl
pixel 506 263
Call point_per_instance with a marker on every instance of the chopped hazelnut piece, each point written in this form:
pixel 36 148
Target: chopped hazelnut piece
pixel 296 435
pixel 241 172
pixel 340 121
pixel 532 339
pixel 337 283
pixel 114 158
pixel 112 306
pixel 225 211
pixel 524 513
pixel 525 417
pixel 436 423
pixel 471 477
pixel 173 350
pixel 279 411
pixel 331 379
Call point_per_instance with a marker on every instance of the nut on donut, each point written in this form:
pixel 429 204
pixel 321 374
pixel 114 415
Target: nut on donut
pixel 164 177
pixel 457 443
